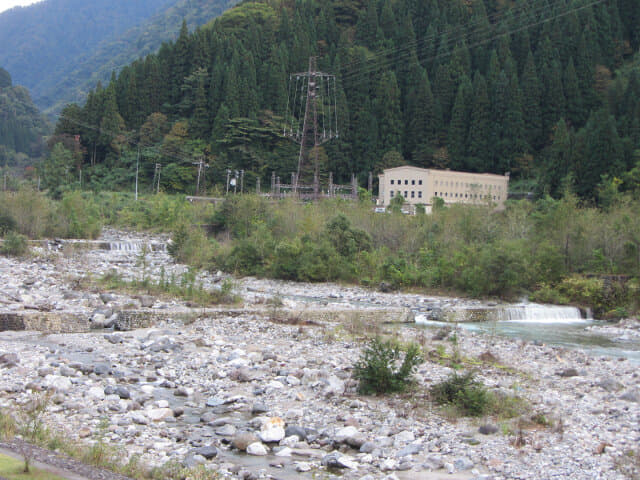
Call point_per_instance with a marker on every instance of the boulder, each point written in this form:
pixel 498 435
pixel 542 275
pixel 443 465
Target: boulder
pixel 257 449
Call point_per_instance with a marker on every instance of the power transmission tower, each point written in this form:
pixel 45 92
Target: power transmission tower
pixel 314 93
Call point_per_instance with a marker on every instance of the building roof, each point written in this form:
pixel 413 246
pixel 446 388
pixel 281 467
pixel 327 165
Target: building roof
pixel 430 170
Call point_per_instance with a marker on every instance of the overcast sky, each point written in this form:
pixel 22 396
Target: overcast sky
pixel 7 4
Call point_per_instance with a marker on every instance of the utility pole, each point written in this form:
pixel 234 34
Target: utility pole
pixel 156 178
pixel 241 182
pixel 137 171
pixel 201 167
pixel 228 175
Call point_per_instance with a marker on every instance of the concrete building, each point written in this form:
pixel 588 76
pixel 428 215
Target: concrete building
pixel 420 186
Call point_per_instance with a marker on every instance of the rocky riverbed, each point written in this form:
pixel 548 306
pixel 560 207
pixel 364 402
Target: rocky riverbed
pixel 255 398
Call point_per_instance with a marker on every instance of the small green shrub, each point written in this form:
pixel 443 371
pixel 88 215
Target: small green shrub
pixel 464 393
pixel 14 245
pixel 7 223
pixel 382 368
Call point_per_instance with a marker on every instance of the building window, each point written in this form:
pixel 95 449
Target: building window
pixel 419 194
pixel 406 182
pixel 391 193
pixel 391 182
pixel 406 194
pixel 419 182
pixel 413 194
pixel 413 182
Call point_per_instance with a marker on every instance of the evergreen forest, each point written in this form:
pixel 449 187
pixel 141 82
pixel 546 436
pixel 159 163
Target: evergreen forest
pixel 548 90
pixel 22 128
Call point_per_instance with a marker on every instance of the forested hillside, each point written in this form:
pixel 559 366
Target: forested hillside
pixel 546 89
pixel 59 49
pixel 22 127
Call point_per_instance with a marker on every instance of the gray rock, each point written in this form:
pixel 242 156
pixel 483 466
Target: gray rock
pixel 114 339
pixel 258 408
pixel 300 432
pixel 227 430
pixel 242 440
pixel 610 385
pixel 101 369
pixel 367 447
pixel 207 417
pixel 338 460
pixel 487 429
pixel 67 371
pixel 568 372
pixel 123 392
pixel 207 452
pixel 107 297
pixel 9 360
pixel 215 401
pixel 631 396
pixel 147 301
pixel 463 463
pixel 411 449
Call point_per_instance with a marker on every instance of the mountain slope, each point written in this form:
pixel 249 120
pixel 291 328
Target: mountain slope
pixel 56 47
pixel 535 88
pixel 22 127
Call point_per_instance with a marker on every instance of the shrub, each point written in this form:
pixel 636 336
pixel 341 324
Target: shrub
pixel 381 368
pixel 464 393
pixel 14 245
pixel 7 223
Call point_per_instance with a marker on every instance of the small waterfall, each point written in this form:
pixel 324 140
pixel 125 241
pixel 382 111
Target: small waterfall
pixel 137 247
pixel 536 313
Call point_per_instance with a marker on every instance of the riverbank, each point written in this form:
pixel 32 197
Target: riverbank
pixel 194 392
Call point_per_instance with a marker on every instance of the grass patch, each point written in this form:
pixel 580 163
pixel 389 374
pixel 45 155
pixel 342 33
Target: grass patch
pixel 13 469
pixel 463 395
pixel 186 288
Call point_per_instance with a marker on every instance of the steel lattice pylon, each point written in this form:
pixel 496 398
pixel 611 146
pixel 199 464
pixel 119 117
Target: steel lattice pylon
pixel 311 119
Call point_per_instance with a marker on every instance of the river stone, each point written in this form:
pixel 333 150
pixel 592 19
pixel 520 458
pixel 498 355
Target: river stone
pixel 338 460
pixel 403 437
pixel 101 369
pixel 215 401
pixel 335 386
pixel 568 372
pixel 242 440
pixel 114 339
pixel 272 430
pixel 147 301
pixel 463 463
pixel 297 431
pixel 207 452
pixel 487 429
pixel 411 449
pixel 9 360
pixel 258 408
pixel 123 392
pixel 60 384
pixel 367 447
pixel 284 452
pixel 159 414
pixel 631 396
pixel 96 393
pixel 344 433
pixel 139 418
pixel 107 297
pixel 257 449
pixel 302 467
pixel 226 430
pixel 610 385
pixel 66 371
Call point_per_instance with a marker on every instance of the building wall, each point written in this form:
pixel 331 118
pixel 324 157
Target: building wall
pixel 419 186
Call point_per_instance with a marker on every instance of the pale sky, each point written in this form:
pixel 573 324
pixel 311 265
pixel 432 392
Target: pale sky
pixel 7 4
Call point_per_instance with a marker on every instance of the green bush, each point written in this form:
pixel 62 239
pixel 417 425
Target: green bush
pixel 14 245
pixel 382 368
pixel 7 224
pixel 467 395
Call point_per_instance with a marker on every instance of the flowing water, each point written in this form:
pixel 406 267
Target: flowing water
pixel 548 324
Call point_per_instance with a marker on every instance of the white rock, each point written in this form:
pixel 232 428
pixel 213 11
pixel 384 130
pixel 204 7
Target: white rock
pixel 285 452
pixel 257 449
pixel 147 389
pixel 96 393
pixel 343 433
pixel 302 467
pixel 158 414
pixel 60 384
